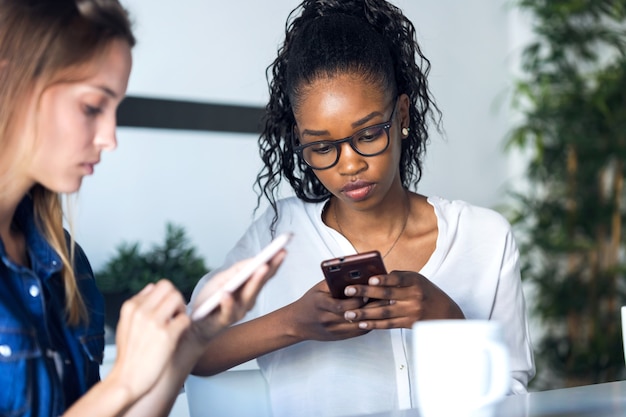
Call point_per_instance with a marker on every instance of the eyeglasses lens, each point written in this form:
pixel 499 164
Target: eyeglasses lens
pixel 367 142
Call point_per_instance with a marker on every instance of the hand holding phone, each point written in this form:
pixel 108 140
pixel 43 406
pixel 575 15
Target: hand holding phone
pixel 237 280
pixel 352 269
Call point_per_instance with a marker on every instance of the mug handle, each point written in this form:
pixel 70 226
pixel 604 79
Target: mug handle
pixel 624 330
pixel 500 373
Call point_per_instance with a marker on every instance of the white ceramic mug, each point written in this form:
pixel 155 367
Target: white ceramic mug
pixel 461 367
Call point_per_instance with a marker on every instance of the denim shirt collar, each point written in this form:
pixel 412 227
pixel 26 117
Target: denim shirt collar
pixel 43 259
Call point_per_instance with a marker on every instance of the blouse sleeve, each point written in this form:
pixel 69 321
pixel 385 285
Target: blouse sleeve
pixel 510 309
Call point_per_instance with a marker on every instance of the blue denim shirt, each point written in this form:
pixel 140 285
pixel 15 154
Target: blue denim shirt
pixel 32 325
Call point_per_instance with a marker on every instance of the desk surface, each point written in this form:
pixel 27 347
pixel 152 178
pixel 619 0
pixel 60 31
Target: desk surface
pixel 601 400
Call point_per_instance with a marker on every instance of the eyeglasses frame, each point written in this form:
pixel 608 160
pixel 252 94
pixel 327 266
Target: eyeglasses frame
pixel 350 139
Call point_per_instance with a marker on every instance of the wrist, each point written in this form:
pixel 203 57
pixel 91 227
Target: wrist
pixel 110 397
pixel 119 393
pixel 196 342
pixel 292 329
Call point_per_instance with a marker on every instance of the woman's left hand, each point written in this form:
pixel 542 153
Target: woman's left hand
pixel 402 298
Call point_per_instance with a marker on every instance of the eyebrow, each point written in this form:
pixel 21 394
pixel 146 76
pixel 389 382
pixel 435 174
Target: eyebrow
pixel 358 123
pixel 106 90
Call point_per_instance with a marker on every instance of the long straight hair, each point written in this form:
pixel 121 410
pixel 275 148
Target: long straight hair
pixel 43 42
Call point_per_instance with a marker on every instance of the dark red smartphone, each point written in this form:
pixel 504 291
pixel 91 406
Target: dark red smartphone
pixel 352 269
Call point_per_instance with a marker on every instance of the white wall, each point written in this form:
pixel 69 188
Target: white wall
pixel 217 51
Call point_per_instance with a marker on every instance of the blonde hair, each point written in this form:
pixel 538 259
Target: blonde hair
pixel 42 41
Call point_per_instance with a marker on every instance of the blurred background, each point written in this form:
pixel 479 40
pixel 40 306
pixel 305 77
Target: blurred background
pixel 216 52
pixel 177 193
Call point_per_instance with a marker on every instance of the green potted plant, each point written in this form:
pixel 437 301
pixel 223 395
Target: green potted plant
pixel 130 269
pixel 570 215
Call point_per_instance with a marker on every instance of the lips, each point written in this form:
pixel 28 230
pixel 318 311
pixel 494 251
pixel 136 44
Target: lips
pixel 89 166
pixel 357 190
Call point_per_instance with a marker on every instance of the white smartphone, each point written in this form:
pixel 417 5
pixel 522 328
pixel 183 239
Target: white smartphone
pixel 242 276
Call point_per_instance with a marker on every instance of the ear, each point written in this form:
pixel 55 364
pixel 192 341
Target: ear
pixel 404 105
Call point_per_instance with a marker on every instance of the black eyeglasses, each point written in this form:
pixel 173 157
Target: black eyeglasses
pixel 370 141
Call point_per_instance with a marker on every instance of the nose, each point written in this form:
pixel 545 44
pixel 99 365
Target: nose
pixel 106 135
pixel 350 162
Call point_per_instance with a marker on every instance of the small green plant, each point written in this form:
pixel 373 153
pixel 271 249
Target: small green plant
pixel 130 269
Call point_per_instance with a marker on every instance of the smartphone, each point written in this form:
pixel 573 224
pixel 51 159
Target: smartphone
pixel 352 269
pixel 242 276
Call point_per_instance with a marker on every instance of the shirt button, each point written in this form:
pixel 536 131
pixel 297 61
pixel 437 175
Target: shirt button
pixel 54 263
pixel 5 351
pixel 33 291
pixel 402 367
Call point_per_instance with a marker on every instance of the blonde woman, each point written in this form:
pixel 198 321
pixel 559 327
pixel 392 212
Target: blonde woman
pixel 64 68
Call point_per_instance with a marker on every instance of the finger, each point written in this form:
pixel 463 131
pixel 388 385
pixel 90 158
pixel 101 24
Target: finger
pixel 376 292
pixel 326 302
pixel 277 260
pixel 347 329
pixel 227 312
pixel 393 323
pixel 339 306
pixel 138 298
pixel 123 324
pixel 172 304
pixel 395 279
pixel 378 310
pixel 164 299
pixel 378 303
pixel 253 286
pixel 152 296
pixel 377 280
pixel 230 311
pixel 263 273
pixel 272 265
pixel 246 295
pixel 161 302
pixel 351 329
pixel 179 324
pixel 215 284
pixel 146 290
pixel 268 269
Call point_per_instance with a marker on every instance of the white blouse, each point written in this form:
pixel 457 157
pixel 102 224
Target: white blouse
pixel 475 262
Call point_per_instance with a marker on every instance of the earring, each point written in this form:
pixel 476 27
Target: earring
pixel 405 131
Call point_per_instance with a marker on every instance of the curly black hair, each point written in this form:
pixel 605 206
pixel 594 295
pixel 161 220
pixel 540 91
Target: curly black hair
pixel 369 38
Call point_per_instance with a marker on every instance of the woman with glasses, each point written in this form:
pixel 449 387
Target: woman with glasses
pixel 346 128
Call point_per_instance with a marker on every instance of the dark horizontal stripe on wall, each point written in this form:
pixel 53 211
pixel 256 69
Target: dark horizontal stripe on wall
pixel 188 115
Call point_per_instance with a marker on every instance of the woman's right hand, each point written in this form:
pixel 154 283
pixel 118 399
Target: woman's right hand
pixel 319 316
pixel 150 327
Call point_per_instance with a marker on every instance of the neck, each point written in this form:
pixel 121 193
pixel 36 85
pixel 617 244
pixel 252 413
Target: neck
pixel 390 210
pixel 381 227
pixel 10 198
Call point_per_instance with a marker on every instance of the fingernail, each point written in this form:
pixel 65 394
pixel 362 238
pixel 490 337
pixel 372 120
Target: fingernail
pixel 374 281
pixel 147 288
pixel 392 302
pixel 362 325
pixel 349 291
pixel 349 315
